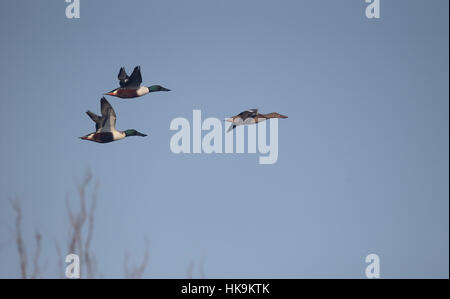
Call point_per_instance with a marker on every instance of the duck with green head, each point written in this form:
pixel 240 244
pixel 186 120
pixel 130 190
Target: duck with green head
pixel 130 86
pixel 105 126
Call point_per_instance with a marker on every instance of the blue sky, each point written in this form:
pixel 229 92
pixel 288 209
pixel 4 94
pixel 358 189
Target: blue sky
pixel 363 157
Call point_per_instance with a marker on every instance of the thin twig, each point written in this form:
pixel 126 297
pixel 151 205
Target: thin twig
pixel 37 254
pixel 136 271
pixel 19 241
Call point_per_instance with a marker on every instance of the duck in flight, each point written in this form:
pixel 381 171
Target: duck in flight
pixel 105 126
pixel 130 86
pixel 251 116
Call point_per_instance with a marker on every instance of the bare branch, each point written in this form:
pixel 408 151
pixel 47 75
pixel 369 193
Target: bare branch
pixel 87 255
pixel 37 254
pixel 190 269
pixel 19 241
pixel 60 260
pixel 201 269
pixel 78 244
pixel 136 271
pixel 80 237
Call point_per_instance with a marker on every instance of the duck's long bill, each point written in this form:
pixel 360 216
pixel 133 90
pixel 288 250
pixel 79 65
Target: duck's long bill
pixel 283 116
pixel 109 93
pixel 140 134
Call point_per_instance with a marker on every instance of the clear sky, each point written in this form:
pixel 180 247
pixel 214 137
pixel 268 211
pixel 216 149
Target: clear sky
pixel 363 164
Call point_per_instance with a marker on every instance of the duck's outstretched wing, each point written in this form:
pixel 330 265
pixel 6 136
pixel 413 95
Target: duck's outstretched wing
pixel 97 119
pixel 135 79
pixel 251 113
pixel 133 82
pixel 231 128
pixel 123 77
pixel 108 120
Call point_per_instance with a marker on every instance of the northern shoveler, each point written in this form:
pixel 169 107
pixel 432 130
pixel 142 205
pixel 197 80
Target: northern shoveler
pixel 105 126
pixel 251 116
pixel 130 86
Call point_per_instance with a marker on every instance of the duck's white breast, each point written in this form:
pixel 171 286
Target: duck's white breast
pixel 118 135
pixel 142 91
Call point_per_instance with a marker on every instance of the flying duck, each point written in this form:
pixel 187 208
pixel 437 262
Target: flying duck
pixel 105 126
pixel 130 86
pixel 251 116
